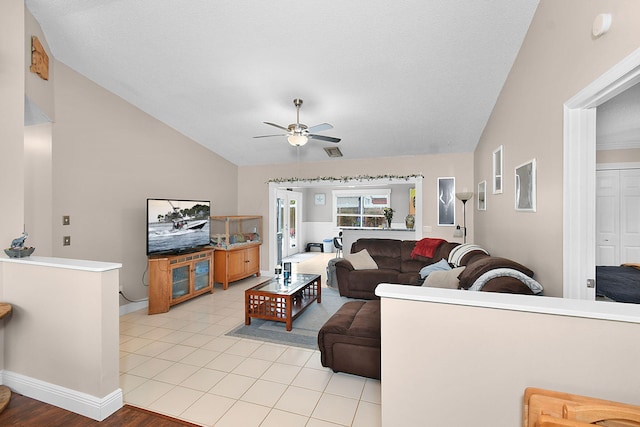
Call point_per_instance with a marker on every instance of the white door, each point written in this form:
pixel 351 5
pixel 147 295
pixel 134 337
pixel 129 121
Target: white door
pixel 607 217
pixel 629 215
pixel 289 220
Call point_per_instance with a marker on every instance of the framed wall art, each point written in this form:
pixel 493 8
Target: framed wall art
pixel 525 176
pixel 446 201
pixel 497 170
pixel 482 196
pixel 319 198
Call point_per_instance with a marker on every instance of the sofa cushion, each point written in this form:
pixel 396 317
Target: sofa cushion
pixel 385 252
pixel 447 279
pixel 508 285
pixel 458 253
pixel 481 265
pixel 414 264
pixel 361 260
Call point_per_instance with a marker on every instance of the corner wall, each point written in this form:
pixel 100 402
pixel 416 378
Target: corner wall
pixel 108 158
pixel 558 58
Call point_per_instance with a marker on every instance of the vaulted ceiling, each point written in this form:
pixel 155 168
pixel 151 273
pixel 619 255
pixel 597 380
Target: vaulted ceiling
pixel 393 78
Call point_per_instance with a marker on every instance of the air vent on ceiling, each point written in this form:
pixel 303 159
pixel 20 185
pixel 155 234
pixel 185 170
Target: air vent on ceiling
pixel 333 151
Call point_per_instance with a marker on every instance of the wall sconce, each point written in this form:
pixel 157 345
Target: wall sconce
pixel 463 197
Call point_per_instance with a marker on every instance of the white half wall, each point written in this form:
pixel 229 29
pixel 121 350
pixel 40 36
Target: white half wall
pixel 458 358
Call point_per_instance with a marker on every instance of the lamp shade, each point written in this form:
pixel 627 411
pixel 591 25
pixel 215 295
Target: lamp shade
pixel 464 196
pixel 297 140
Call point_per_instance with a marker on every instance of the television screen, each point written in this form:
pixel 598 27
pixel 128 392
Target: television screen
pixel 176 225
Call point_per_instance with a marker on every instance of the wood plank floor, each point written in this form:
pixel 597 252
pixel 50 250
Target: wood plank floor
pixel 27 412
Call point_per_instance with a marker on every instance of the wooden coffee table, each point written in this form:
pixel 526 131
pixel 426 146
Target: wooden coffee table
pixel 282 301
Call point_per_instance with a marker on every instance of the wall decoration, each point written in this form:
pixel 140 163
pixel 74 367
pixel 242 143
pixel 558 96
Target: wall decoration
pixel 498 163
pixel 446 201
pixel 525 175
pixel 39 59
pixel 482 196
pixel 319 198
pixel 412 201
pixel 360 178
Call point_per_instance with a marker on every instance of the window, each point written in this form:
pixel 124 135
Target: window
pixel 360 208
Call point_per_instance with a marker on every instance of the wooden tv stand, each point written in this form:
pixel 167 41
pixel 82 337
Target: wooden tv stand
pixel 177 278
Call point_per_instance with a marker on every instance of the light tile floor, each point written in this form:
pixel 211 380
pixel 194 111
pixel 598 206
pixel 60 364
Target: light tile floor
pixel 181 364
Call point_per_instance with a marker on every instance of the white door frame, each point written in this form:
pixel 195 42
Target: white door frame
pixel 275 186
pixel 579 170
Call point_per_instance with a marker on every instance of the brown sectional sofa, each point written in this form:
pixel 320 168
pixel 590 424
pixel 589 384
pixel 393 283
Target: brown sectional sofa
pixel 350 340
pixel 395 265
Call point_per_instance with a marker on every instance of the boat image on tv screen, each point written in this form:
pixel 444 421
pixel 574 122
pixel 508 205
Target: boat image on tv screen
pixel 177 225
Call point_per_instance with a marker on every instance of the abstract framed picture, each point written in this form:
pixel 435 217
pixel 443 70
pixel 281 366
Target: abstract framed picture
pixel 446 201
pixel 498 163
pixel 482 196
pixel 525 176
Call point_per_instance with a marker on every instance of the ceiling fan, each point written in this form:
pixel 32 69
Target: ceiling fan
pixel 298 134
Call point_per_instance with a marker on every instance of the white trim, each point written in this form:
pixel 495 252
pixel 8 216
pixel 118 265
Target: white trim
pixel 514 302
pixel 75 401
pixel 579 170
pixel 133 306
pixel 617 166
pixel 273 187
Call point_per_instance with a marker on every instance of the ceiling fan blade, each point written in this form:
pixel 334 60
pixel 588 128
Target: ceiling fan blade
pixel 324 138
pixel 269 136
pixel 320 127
pixel 278 126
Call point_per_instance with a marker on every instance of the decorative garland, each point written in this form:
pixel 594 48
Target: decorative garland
pixel 346 178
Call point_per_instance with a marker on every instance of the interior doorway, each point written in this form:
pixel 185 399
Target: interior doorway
pixel 579 180
pixel 288 220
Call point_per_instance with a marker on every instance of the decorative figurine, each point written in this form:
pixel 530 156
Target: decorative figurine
pixel 17 249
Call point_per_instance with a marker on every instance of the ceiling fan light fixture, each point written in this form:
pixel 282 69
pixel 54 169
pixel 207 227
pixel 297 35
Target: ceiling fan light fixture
pixel 297 140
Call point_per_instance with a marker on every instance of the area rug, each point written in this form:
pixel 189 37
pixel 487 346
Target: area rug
pixel 299 257
pixel 305 327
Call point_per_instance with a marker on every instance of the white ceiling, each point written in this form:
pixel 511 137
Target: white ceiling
pixel 394 78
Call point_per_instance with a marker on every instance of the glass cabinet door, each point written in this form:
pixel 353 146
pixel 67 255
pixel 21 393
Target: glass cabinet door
pixel 179 281
pixel 201 275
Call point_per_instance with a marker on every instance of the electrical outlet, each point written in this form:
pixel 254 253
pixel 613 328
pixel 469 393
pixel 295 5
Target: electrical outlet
pixel 66 220
pixel 66 241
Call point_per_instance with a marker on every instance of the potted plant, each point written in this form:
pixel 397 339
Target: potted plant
pixel 388 214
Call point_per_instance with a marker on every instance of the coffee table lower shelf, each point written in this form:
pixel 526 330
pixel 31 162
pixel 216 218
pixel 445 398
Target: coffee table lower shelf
pixel 279 303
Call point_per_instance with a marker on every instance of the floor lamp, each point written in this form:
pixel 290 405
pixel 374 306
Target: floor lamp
pixel 463 197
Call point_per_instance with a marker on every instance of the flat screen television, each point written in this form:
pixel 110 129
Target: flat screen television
pixel 175 226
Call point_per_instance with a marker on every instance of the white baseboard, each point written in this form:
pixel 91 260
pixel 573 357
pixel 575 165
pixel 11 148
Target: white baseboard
pixel 80 403
pixel 133 306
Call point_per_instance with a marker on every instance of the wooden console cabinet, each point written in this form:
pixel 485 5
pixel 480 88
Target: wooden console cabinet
pixel 177 278
pixel 236 263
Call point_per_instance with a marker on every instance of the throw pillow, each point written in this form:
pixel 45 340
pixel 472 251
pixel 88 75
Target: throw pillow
pixel 361 260
pixel 436 266
pixel 447 279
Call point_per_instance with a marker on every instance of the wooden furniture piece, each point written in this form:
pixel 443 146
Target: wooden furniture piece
pixel 546 408
pixel 280 300
pixel 177 278
pixel 236 263
pixel 5 392
pixel 237 241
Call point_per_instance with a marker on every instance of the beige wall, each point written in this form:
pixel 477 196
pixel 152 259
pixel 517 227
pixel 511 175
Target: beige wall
pixel 558 58
pixel 11 137
pixel 108 158
pixel 253 187
pixel 631 155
